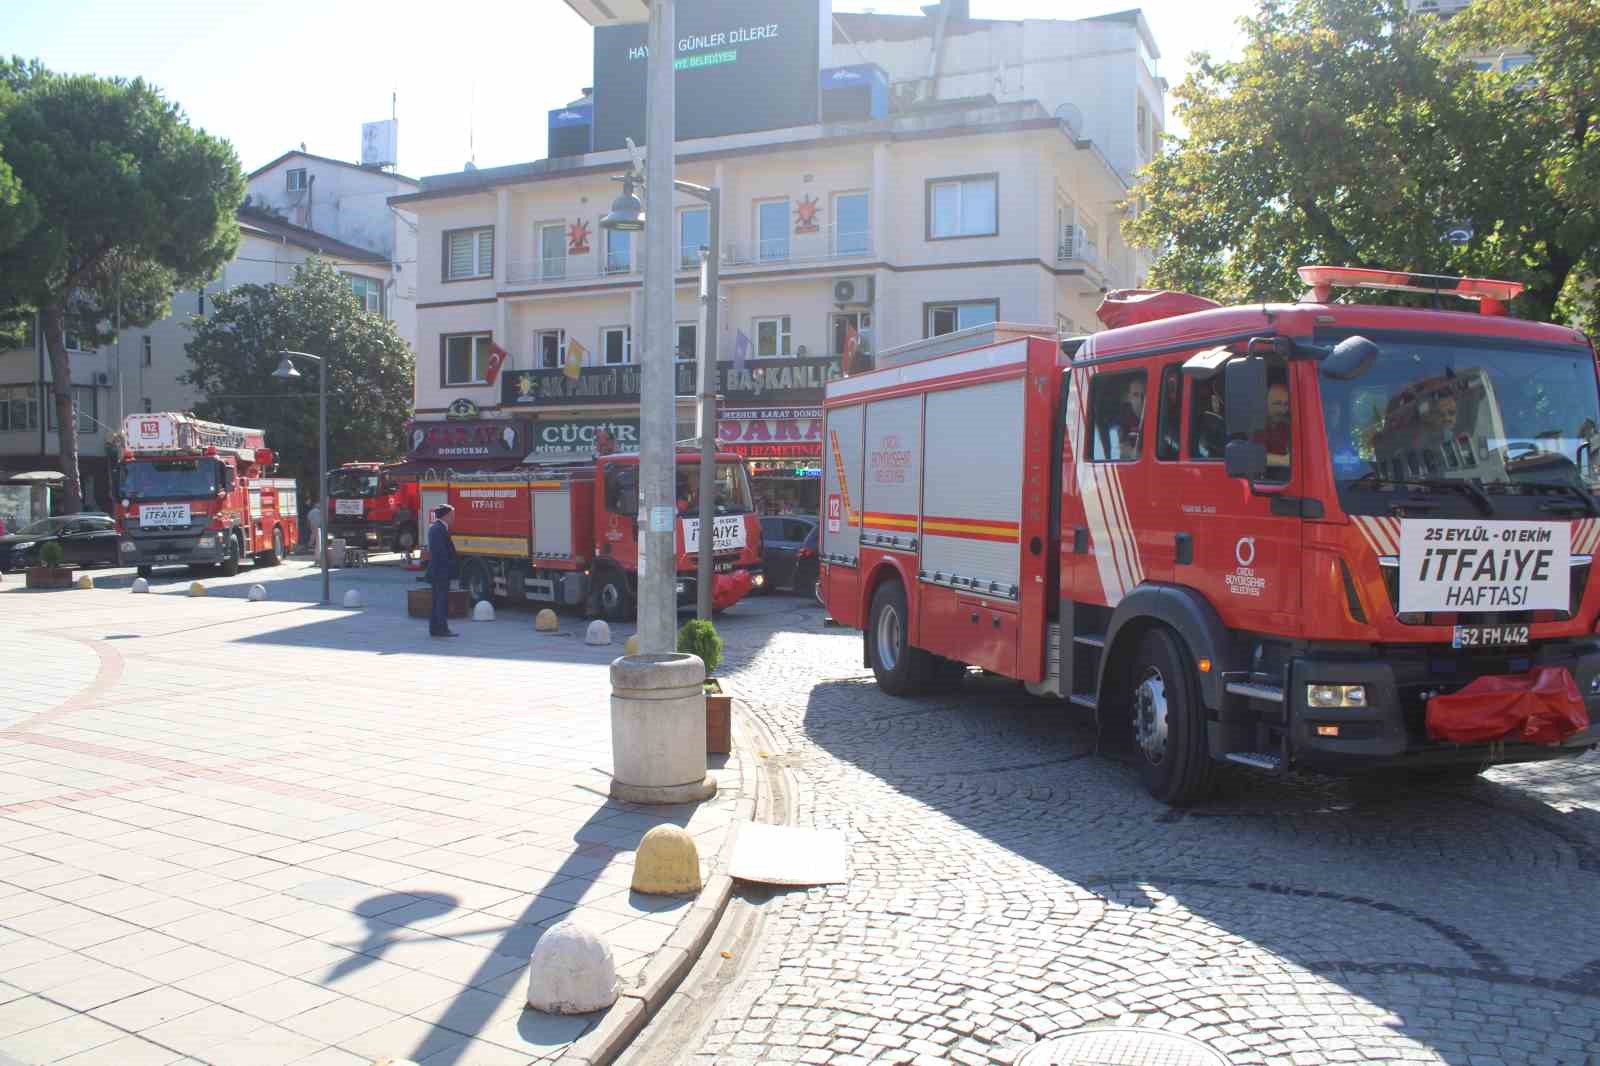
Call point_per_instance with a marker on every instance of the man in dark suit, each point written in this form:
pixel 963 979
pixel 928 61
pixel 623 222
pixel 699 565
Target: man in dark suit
pixel 441 560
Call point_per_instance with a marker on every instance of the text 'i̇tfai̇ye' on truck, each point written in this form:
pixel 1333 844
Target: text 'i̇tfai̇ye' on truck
pixel 368 504
pixel 200 494
pixel 1319 535
pixel 566 532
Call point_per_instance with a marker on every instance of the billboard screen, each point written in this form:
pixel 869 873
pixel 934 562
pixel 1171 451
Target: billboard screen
pixel 742 65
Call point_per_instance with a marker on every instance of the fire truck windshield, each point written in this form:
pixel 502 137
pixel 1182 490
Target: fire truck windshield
pixel 352 483
pixel 169 479
pixel 1431 413
pixel 732 487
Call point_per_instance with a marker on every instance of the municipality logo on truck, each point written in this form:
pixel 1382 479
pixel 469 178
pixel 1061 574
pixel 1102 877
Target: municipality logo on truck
pixel 1471 566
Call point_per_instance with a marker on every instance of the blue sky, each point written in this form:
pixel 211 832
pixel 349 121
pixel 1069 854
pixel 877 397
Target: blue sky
pixel 270 75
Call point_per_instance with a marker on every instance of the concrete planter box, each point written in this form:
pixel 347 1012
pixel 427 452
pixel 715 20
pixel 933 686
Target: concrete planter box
pixel 419 603
pixel 719 718
pixel 49 577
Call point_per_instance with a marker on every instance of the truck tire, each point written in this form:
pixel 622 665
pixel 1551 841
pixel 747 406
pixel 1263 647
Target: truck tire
pixel 901 669
pixel 612 601
pixel 1169 721
pixel 274 555
pixel 230 560
pixel 404 540
pixel 477 580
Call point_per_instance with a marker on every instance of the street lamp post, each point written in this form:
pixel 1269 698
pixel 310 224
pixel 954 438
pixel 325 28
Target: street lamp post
pixel 286 370
pixel 710 269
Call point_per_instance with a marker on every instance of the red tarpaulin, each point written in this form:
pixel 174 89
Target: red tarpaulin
pixel 1127 307
pixel 1539 707
pixel 729 589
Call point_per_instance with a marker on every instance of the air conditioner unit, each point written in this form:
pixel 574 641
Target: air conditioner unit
pixel 102 378
pixel 856 290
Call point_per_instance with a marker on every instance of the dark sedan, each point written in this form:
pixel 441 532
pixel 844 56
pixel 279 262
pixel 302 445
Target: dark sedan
pixel 789 551
pixel 85 539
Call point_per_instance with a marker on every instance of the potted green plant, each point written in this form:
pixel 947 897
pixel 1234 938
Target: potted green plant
pixel 50 574
pixel 701 638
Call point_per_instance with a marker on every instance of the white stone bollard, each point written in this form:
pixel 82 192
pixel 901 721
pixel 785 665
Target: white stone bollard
pixel 599 632
pixel 353 598
pixel 483 611
pixel 141 585
pixel 658 730
pixel 257 593
pixel 571 972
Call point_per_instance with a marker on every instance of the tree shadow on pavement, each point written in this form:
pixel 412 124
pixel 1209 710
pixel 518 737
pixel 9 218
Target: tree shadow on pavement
pixel 1380 889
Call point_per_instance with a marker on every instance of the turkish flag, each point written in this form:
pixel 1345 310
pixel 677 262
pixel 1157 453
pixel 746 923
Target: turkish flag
pixel 497 359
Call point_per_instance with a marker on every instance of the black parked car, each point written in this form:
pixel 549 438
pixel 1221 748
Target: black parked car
pixel 85 539
pixel 789 551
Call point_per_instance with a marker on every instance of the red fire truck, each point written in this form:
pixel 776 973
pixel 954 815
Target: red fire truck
pixel 566 532
pixel 1284 536
pixel 201 494
pixel 369 505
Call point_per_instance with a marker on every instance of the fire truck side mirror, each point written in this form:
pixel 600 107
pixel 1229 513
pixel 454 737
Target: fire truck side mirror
pixel 1245 459
pixel 1244 396
pixel 1350 358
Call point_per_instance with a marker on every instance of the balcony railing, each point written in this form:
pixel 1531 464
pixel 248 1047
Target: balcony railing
pixel 826 244
pixel 568 268
pixel 1077 250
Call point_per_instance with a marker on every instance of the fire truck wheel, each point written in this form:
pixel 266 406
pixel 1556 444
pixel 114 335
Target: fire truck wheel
pixel 230 561
pixel 278 551
pixel 405 539
pixel 476 580
pixel 901 669
pixel 1168 721
pixel 611 599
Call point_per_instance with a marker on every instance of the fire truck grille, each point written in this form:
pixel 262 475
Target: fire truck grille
pixel 1391 581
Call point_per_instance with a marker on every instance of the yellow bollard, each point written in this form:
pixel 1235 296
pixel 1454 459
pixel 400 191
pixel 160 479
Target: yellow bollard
pixel 86 582
pixel 196 589
pixel 632 645
pixel 545 621
pixel 667 863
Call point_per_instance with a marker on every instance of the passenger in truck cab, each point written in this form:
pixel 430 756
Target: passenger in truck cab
pixel 1130 420
pixel 1276 436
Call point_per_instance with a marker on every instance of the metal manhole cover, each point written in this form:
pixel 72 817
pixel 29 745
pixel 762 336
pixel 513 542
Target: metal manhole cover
pixel 1121 1047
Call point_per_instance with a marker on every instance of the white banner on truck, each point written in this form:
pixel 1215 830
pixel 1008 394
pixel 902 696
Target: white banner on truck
pixel 727 533
pixel 1479 566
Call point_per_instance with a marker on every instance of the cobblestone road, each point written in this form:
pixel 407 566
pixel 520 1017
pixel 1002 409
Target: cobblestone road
pixel 1008 885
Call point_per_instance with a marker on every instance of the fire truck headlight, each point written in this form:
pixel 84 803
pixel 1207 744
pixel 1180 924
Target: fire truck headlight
pixel 1325 696
pixel 758 581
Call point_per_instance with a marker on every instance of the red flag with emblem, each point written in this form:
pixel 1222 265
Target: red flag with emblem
pixel 497 359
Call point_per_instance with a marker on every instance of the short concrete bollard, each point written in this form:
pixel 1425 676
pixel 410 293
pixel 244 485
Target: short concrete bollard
pixel 141 585
pixel 571 972
pixel 631 645
pixel 667 863
pixel 353 598
pixel 599 633
pixel 658 730
pixel 257 593
pixel 196 589
pixel 86 582
pixel 483 611
pixel 545 621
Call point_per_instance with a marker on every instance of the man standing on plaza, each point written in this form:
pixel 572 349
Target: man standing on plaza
pixel 441 559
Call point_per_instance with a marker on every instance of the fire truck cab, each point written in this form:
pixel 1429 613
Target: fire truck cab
pixel 201 494
pixel 367 503
pixel 1284 536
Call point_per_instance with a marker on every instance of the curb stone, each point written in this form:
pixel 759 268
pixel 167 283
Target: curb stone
pixel 638 1003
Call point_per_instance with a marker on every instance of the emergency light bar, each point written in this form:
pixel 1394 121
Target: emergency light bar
pixel 1492 295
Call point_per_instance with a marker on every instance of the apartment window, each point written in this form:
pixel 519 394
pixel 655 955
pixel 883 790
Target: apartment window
pixel 551 344
pixel 1088 238
pixel 948 318
pixel 694 233
pixel 842 323
pixel 295 180
pixel 616 345
pixel 84 409
pixel 72 342
pixel 619 251
pixel 687 347
pixel 19 407
pixel 772 337
pixel 772 229
pixel 465 359
pixel 1117 409
pixel 1142 123
pixel 852 229
pixel 469 253
pixel 369 291
pixel 963 207
pixel 553 250
pixel 146 351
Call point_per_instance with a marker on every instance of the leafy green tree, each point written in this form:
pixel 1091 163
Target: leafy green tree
pixel 234 352
pixel 1350 132
pixel 113 200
